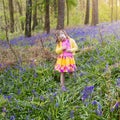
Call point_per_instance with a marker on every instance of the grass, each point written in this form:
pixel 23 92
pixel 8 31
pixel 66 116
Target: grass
pixel 32 91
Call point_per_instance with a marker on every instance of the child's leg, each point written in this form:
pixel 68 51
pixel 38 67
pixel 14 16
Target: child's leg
pixel 62 79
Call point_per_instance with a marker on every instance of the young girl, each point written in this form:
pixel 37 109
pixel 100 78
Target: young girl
pixel 65 49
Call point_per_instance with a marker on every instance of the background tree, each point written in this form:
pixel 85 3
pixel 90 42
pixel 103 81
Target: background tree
pixel 19 4
pixel 69 4
pixel 61 9
pixel 35 23
pixel 87 14
pixel 47 17
pixel 28 18
pixel 111 10
pixel 55 8
pixel 11 10
pixel 116 9
pixel 94 12
pixel 6 33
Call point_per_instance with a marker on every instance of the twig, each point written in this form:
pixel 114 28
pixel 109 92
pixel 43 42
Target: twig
pixel 6 32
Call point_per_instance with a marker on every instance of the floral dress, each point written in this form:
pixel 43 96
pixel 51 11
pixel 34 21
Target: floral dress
pixel 65 60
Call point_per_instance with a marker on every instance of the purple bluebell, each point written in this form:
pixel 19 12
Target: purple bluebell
pixel 116 106
pixel 54 94
pixel 0 91
pixel 118 82
pixel 98 111
pixel 12 117
pixel 57 104
pixel 9 97
pixel 81 74
pixel 94 102
pixel 72 114
pixel 4 109
pixel 87 92
pixel 42 98
pixel 0 65
pixel 19 91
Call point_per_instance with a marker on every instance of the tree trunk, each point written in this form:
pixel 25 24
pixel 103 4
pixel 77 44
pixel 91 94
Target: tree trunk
pixel 35 23
pixel 6 33
pixel 11 10
pixel 55 8
pixel 87 12
pixel 28 18
pixel 47 17
pixel 111 10
pixel 94 12
pixel 67 5
pixel 61 7
pixel 116 9
pixel 20 12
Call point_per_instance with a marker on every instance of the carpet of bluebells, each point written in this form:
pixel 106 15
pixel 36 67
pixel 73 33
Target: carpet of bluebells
pixel 31 92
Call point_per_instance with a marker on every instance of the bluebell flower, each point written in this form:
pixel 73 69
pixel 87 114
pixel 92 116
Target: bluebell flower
pixel 81 74
pixel 0 91
pixel 0 65
pixel 116 106
pixel 57 104
pixel 54 94
pixel 4 109
pixel 9 97
pixel 19 91
pixel 12 117
pixel 42 98
pixel 98 111
pixel 72 114
pixel 94 102
pixel 21 79
pixel 35 75
pixel 118 82
pixel 34 106
pixel 86 92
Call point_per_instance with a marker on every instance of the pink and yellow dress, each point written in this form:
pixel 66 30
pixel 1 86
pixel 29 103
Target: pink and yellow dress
pixel 65 60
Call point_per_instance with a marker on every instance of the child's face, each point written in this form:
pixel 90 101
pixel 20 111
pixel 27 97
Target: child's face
pixel 62 36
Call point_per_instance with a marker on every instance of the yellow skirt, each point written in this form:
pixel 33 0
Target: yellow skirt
pixel 65 64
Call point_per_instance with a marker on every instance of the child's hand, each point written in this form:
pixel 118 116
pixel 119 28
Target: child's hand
pixel 63 48
pixel 68 50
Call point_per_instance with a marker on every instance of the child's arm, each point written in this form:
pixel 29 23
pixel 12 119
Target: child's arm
pixel 74 46
pixel 59 49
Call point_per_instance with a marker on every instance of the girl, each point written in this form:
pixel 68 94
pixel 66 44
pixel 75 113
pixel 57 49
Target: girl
pixel 65 49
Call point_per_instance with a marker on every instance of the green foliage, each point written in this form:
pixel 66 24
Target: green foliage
pixel 22 18
pixel 33 92
pixel 2 35
pixel 72 3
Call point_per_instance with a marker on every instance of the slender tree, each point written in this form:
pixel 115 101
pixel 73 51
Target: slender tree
pixel 94 12
pixel 116 10
pixel 20 12
pixel 67 6
pixel 28 18
pixel 47 17
pixel 55 8
pixel 61 8
pixel 6 33
pixel 35 23
pixel 111 10
pixel 11 10
pixel 87 12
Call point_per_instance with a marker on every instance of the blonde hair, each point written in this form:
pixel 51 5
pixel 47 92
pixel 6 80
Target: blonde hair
pixel 57 34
